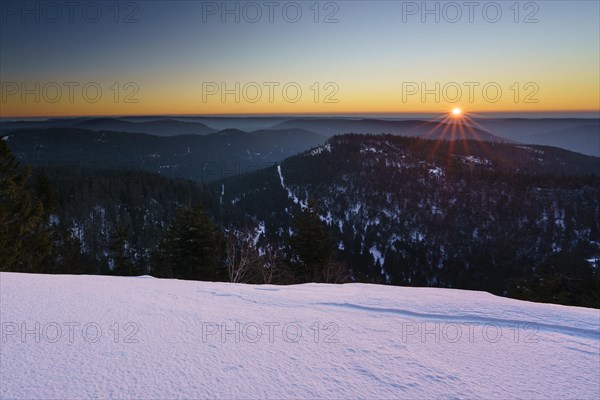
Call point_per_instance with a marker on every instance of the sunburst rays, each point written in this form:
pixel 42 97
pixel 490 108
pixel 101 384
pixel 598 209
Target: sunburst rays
pixel 455 128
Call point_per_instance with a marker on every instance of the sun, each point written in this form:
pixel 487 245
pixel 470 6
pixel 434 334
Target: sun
pixel 456 112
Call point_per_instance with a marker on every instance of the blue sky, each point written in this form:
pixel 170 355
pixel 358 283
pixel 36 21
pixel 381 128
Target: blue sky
pixel 170 51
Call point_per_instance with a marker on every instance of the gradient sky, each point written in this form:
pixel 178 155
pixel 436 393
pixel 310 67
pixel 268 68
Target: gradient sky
pixel 370 54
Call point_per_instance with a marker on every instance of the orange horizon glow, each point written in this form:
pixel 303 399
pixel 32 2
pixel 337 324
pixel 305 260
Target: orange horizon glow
pixel 352 98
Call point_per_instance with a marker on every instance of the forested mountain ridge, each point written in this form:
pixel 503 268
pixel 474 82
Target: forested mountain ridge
pixel 128 211
pixel 510 219
pixel 415 212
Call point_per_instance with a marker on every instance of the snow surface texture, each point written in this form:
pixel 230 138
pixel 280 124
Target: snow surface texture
pixel 371 341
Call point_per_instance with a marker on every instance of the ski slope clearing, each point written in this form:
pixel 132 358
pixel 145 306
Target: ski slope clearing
pixel 139 337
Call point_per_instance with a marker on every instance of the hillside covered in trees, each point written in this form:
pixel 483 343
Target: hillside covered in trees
pixel 519 221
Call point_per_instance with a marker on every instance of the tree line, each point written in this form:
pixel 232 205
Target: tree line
pixel 193 246
pixel 527 238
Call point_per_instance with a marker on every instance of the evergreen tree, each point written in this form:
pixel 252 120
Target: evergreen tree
pixel 66 257
pixel 124 263
pixel 193 248
pixel 45 192
pixel 22 244
pixel 311 245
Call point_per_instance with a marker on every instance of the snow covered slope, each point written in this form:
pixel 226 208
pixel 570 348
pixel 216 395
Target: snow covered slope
pixel 93 336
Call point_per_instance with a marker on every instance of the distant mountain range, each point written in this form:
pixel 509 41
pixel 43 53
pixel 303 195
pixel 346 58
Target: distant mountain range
pixel 158 127
pixel 576 134
pixel 162 127
pixel 413 128
pixel 197 144
pixel 198 157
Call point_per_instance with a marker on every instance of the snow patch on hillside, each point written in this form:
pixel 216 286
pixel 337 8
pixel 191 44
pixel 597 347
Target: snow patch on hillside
pixel 370 149
pixel 476 160
pixel 376 255
pixel 320 149
pixel 531 149
pixel 291 195
pixel 436 171
pixel 260 231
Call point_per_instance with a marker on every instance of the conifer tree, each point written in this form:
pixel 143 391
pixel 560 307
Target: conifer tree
pixel 21 217
pixel 192 248
pixel 124 263
pixel 311 245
